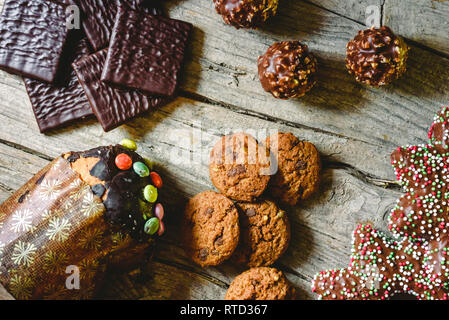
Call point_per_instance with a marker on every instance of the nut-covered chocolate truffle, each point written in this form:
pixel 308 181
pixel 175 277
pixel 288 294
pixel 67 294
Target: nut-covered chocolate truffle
pixel 376 56
pixel 246 13
pixel 287 70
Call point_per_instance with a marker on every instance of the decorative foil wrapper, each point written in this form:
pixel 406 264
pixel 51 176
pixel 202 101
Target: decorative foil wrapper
pixel 53 227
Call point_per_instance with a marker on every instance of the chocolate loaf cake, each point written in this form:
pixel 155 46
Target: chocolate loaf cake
pixel 83 215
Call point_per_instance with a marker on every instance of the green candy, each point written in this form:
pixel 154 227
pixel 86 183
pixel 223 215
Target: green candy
pixel 129 144
pixel 146 209
pixel 151 226
pixel 141 169
pixel 150 193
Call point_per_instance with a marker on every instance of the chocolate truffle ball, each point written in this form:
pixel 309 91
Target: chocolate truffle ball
pixel 287 70
pixel 376 56
pixel 246 13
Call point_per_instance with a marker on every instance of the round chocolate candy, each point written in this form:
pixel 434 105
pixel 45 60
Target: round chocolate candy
pixel 376 56
pixel 246 13
pixel 287 70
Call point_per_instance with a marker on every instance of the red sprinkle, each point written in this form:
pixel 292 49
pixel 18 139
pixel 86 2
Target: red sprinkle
pixel 157 180
pixel 123 161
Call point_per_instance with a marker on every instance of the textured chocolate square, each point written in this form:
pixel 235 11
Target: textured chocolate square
pixel 146 52
pixel 99 17
pixel 32 37
pixel 60 103
pixel 112 106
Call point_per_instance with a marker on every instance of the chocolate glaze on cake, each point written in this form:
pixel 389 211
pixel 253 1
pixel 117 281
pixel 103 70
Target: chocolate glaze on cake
pixel 120 190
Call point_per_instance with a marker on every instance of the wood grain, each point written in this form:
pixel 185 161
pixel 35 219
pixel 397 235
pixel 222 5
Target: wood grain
pixel 352 9
pixel 426 22
pixel 354 127
pixel 223 68
pixel 4 295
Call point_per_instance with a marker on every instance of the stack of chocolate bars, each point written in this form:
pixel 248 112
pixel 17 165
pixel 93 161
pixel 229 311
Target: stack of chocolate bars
pixel 124 60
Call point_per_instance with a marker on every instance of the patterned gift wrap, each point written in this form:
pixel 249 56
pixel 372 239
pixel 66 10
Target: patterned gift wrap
pixel 55 221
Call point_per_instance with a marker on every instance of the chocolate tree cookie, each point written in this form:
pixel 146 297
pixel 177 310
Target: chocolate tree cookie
pixel 240 167
pixel 299 167
pixel 210 228
pixel 264 234
pixel 260 284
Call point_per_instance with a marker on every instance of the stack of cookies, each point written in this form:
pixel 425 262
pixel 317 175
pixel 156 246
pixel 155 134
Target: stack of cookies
pixel 242 222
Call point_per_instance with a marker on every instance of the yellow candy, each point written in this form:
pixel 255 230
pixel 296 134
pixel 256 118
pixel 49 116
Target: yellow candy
pixel 129 144
pixel 150 193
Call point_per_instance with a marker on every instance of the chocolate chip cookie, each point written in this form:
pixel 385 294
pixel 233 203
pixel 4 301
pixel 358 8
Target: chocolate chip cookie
pixel 264 234
pixel 210 228
pixel 299 168
pixel 260 284
pixel 240 167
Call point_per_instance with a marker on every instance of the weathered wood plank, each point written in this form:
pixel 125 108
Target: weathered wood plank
pixel 352 9
pixel 16 168
pixel 354 127
pixel 222 66
pixel 162 282
pixel 426 22
pixel 4 295
pixel 177 123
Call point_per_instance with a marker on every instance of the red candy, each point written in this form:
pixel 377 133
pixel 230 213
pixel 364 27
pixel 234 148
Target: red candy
pixel 156 178
pixel 159 211
pixel 123 161
pixel 161 230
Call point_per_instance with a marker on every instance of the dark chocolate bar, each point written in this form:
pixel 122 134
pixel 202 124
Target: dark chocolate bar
pixel 99 17
pixel 32 38
pixel 57 104
pixel 112 106
pixel 146 52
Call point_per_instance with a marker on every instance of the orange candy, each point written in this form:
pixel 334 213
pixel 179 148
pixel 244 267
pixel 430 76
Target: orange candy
pixel 157 180
pixel 123 161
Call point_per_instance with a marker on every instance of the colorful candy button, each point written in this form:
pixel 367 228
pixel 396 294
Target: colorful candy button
pixel 123 161
pixel 161 230
pixel 141 169
pixel 150 193
pixel 151 226
pixel 157 180
pixel 159 211
pixel 129 144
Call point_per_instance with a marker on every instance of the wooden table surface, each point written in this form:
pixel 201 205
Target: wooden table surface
pixel 354 127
